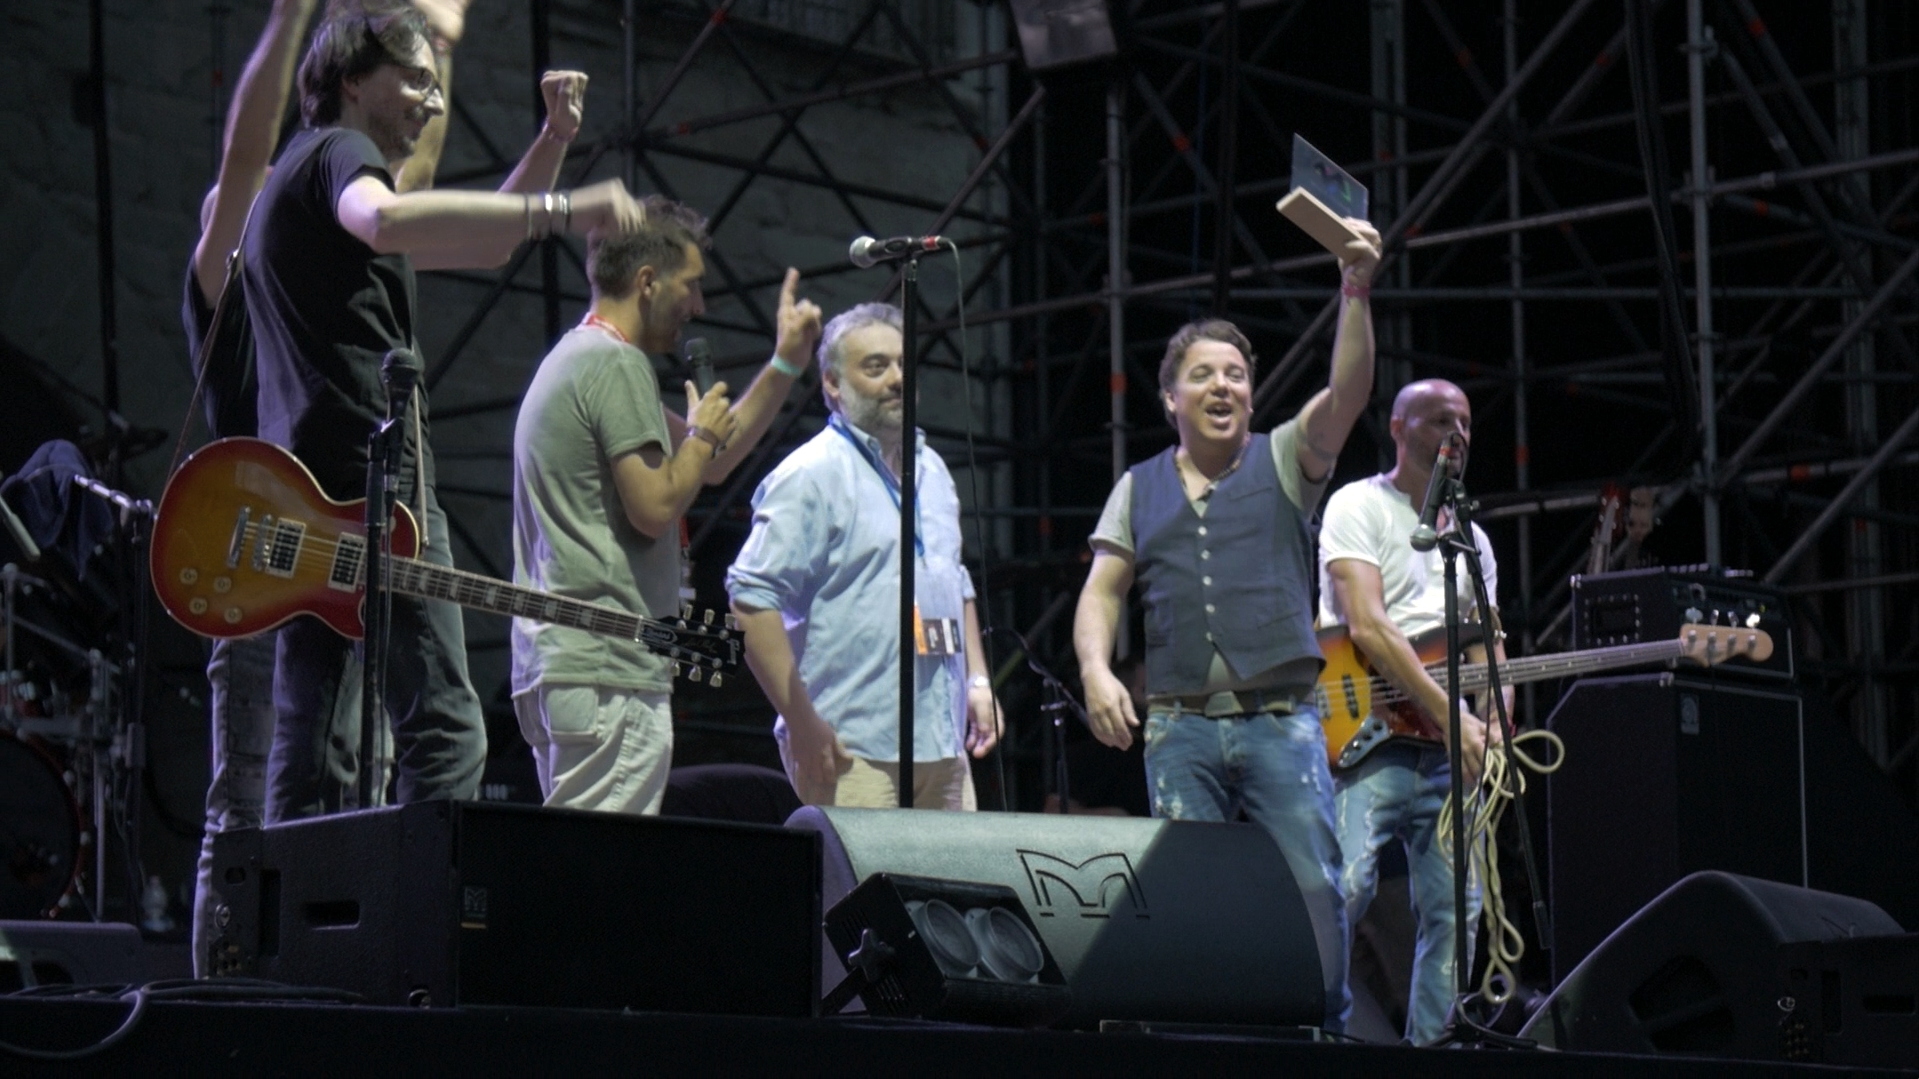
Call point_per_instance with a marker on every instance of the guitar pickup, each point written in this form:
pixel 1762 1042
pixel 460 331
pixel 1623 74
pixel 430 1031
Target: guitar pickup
pixel 349 563
pixel 278 551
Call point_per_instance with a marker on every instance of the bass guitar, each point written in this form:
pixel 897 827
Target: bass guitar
pixel 244 540
pixel 1360 710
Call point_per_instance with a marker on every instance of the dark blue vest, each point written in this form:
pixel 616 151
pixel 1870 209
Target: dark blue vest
pixel 1239 578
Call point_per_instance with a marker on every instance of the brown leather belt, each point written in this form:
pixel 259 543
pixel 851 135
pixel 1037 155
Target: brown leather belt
pixel 1245 702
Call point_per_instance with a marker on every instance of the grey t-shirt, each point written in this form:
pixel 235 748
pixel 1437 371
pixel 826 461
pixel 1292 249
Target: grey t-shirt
pixel 1115 532
pixel 594 399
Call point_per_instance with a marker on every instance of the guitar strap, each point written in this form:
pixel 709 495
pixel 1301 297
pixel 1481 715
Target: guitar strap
pixel 229 294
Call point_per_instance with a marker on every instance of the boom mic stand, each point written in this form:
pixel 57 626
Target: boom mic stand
pixel 1456 543
pixel 400 372
pixel 1059 701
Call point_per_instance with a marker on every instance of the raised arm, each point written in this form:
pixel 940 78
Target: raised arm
pixel 1329 417
pixel 1102 603
pixel 798 335
pixel 539 169
pixel 442 229
pixel 253 130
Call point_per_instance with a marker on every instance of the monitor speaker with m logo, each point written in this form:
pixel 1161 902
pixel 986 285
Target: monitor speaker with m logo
pixel 1172 921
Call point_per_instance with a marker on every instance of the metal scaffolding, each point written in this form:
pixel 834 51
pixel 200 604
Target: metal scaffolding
pixel 1528 173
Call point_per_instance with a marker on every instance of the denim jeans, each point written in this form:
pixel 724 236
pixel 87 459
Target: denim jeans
pixel 1274 766
pixel 240 685
pixel 1396 793
pixel 439 735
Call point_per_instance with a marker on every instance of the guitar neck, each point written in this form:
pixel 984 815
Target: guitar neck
pixel 1514 672
pixel 428 581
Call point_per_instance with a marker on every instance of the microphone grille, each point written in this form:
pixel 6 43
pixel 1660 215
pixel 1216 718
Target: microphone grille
pixel 860 252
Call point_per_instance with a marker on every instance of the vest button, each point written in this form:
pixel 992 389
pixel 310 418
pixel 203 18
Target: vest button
pixel 1205 555
pixel 1207 581
pixel 1202 530
pixel 1209 608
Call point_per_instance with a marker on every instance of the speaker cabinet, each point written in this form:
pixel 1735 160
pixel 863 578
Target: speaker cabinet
pixel 1147 919
pixel 1699 971
pixel 460 903
pixel 1666 776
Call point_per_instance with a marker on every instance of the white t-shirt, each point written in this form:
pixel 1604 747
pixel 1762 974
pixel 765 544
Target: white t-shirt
pixel 1372 521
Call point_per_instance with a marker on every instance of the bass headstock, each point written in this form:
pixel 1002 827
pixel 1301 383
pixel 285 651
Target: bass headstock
pixel 1708 644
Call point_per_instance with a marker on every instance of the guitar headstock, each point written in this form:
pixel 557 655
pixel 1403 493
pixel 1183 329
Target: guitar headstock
pixel 1707 645
pixel 702 647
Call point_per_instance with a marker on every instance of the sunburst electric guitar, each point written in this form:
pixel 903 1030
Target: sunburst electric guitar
pixel 1361 710
pixel 245 539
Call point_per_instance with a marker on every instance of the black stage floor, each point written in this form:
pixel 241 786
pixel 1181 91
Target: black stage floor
pixel 187 1037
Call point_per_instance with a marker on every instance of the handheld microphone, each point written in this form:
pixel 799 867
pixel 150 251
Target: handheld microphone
pixel 866 251
pixel 400 370
pixel 699 356
pixel 1426 536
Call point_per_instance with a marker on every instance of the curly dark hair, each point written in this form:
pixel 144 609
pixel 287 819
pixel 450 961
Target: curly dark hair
pixel 612 261
pixel 355 39
pixel 1206 329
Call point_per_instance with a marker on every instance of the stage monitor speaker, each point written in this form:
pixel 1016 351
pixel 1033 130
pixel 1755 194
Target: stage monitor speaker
pixel 465 903
pixel 1698 971
pixel 37 953
pixel 1666 776
pixel 1853 1001
pixel 1147 919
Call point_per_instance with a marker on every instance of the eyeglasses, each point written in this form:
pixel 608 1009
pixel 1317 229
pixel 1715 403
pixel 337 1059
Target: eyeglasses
pixel 420 80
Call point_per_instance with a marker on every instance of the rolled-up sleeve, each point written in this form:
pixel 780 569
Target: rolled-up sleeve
pixel 782 559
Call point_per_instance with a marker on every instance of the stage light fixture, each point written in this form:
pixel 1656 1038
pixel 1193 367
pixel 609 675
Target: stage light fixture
pixel 1058 33
pixel 944 949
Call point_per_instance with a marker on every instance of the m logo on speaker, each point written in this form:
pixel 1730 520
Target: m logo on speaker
pixel 1089 888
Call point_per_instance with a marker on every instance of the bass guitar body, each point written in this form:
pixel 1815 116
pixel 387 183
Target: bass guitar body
pixel 244 539
pixel 1354 718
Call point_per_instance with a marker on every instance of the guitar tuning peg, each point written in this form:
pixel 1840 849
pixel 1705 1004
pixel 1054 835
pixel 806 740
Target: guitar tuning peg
pixel 715 680
pixel 686 610
pixel 732 623
pixel 709 616
pixel 693 673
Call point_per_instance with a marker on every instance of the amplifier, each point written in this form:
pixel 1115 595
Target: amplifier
pixel 469 903
pixel 1642 605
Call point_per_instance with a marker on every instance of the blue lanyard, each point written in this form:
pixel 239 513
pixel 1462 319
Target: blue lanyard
pixel 886 477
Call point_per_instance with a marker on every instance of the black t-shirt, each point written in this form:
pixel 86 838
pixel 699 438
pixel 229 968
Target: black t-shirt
pixel 229 387
pixel 326 309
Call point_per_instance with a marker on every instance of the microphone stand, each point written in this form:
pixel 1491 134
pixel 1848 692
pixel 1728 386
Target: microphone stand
pixel 400 371
pixel 909 492
pixel 1457 542
pixel 1059 701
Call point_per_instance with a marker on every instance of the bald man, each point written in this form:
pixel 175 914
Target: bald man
pixel 1385 593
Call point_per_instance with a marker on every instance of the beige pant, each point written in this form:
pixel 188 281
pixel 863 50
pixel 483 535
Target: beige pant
pixel 598 748
pixel 865 784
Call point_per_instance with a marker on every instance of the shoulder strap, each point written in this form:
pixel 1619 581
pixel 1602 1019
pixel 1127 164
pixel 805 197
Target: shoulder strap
pixel 229 294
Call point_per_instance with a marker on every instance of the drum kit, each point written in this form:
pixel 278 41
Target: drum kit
pixel 58 749
pixel 68 756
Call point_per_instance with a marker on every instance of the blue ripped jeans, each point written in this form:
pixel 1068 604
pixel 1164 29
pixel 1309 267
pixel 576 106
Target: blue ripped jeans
pixel 1274 766
pixel 1395 794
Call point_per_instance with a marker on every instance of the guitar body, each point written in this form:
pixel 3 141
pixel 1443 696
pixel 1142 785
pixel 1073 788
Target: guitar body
pixel 244 539
pixel 1354 721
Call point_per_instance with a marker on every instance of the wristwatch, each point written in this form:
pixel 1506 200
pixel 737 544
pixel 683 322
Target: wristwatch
pixel 979 681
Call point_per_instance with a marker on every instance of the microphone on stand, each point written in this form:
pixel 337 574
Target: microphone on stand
pixel 866 251
pixel 1445 465
pixel 699 357
pixel 400 371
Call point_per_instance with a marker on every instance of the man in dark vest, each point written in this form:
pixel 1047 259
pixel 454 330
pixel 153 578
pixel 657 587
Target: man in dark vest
pixel 1215 529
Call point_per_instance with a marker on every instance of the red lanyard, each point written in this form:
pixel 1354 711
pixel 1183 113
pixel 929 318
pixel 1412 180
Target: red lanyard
pixel 606 327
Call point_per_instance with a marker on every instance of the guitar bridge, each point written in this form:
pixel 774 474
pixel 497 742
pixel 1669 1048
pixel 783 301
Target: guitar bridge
pixel 239 541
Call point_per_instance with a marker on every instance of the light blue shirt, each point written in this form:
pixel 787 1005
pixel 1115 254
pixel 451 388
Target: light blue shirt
pixel 824 552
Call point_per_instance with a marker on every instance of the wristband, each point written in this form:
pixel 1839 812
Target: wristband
pixel 778 363
pixel 705 436
pixel 979 681
pixel 1355 292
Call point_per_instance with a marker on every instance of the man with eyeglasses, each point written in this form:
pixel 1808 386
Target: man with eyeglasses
pixel 329 259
